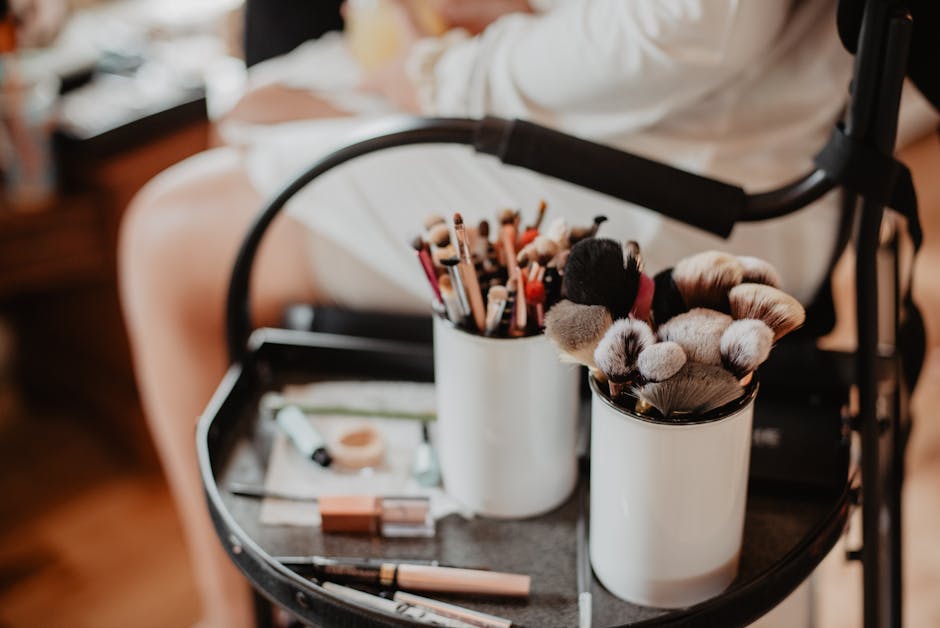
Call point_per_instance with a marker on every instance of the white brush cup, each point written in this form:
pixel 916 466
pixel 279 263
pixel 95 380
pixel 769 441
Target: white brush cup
pixel 507 413
pixel 667 502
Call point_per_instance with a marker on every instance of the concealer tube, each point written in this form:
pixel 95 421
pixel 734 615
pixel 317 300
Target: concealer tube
pixel 293 422
pixel 425 578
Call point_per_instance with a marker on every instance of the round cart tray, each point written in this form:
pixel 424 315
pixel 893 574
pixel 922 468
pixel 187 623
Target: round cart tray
pixel 788 529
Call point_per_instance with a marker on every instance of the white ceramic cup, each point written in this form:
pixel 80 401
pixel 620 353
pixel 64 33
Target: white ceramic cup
pixel 506 422
pixel 667 502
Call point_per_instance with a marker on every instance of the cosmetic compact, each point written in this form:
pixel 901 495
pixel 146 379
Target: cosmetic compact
pixel 383 516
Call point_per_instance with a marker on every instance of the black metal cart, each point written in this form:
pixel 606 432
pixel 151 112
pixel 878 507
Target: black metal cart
pixel 789 527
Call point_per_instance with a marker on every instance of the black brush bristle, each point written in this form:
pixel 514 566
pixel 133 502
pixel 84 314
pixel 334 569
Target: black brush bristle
pixel 595 275
pixel 667 302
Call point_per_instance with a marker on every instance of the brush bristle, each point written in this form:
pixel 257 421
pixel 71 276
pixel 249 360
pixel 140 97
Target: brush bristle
pixel 558 231
pixel 431 220
pixel 667 302
pixel 617 351
pixel 595 275
pixel 439 235
pixel 576 329
pixel 498 293
pixel 757 270
pixel 704 279
pixel 694 390
pixel 745 345
pixel 417 243
pixel 698 332
pixel 777 309
pixel 458 219
pixel 660 361
pixel 506 216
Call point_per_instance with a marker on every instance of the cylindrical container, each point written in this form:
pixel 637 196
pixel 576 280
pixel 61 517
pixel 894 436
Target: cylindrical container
pixel 667 501
pixel 507 422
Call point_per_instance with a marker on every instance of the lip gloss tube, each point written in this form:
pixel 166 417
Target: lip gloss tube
pixel 393 517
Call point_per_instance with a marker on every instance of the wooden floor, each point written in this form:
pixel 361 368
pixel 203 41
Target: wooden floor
pixel 84 541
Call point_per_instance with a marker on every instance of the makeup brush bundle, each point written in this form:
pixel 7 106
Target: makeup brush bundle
pixel 497 282
pixel 675 346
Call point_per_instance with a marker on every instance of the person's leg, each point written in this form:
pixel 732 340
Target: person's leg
pixel 178 243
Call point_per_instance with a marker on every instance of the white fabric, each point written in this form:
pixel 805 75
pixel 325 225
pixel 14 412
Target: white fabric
pixel 742 91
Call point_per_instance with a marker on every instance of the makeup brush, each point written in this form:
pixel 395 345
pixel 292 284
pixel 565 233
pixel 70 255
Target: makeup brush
pixel 506 320
pixel 439 235
pixel 557 230
pixel 617 352
pixel 468 275
pixel 576 329
pixel 520 313
pixel 658 362
pixel 757 270
pixel 451 301
pixel 424 258
pixel 777 309
pixel 496 300
pixel 704 279
pixel 532 231
pixel 745 345
pixel 432 220
pixel 698 332
pixel 539 215
pixel 693 391
pixel 577 234
pixel 456 281
pixel 667 302
pixel 595 275
pixel 542 249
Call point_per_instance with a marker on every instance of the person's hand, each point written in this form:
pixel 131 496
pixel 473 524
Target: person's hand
pixel 38 22
pixel 475 15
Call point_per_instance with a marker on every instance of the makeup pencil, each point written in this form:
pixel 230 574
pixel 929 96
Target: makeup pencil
pixel 468 275
pixel 424 258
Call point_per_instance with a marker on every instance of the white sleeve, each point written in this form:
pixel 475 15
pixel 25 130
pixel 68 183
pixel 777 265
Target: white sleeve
pixel 599 67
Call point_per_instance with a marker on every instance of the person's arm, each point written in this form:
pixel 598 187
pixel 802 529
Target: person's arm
pixel 604 65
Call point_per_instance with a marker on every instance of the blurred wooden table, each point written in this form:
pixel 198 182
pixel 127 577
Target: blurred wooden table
pixel 58 273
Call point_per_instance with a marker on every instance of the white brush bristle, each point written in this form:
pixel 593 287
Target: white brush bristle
pixel 777 309
pixel 745 345
pixel 576 329
pixel 698 332
pixel 757 270
pixel 660 361
pixel 617 351
pixel 704 279
pixel 694 390
pixel 439 235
